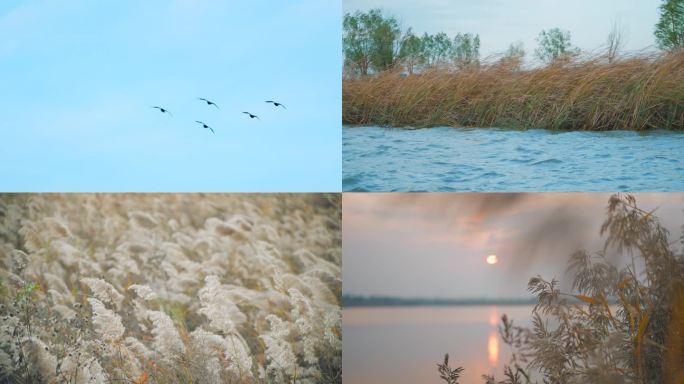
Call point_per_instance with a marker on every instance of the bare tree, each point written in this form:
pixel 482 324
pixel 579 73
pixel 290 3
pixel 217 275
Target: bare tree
pixel 616 41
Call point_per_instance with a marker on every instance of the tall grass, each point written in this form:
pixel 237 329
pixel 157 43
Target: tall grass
pixel 171 288
pixel 640 92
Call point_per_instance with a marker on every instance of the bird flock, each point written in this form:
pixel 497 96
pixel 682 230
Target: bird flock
pixel 210 104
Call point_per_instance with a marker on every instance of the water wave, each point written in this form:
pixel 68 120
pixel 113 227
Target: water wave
pixel 492 159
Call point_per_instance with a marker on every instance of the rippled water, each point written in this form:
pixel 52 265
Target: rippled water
pixel 492 159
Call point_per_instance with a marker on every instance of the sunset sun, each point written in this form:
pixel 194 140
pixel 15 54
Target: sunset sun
pixel 492 259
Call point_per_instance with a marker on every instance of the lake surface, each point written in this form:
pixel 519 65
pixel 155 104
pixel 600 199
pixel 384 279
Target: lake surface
pixel 403 344
pixel 493 159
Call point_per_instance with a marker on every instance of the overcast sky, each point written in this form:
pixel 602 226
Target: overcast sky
pixel 79 78
pixel 434 245
pixel 501 22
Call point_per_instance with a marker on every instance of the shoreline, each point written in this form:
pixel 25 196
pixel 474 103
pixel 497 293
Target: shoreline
pixel 509 129
pixel 353 301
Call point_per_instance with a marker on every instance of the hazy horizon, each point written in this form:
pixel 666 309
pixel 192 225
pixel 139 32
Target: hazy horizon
pixel 446 298
pixel 433 246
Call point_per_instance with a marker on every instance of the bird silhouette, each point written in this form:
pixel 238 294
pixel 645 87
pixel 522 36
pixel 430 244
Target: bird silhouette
pixel 251 116
pixel 276 104
pixel 206 126
pixel 163 110
pixel 208 102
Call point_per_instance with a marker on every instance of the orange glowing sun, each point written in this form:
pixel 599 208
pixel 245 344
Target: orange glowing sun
pixel 492 259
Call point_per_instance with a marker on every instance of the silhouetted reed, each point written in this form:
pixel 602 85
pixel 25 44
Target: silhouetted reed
pixel 618 325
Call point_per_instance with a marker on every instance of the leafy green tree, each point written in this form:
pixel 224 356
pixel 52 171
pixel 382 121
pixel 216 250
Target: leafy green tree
pixel 669 31
pixel 356 43
pixel 411 51
pixel 385 41
pixel 554 44
pixel 465 50
pixel 437 49
pixel 373 42
pixel 370 41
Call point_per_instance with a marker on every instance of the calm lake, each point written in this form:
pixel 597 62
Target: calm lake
pixel 493 159
pixel 403 344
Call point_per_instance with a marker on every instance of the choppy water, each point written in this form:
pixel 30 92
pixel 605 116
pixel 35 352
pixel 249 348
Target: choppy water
pixel 492 159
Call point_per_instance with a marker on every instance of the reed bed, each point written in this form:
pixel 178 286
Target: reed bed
pixel 170 288
pixel 639 92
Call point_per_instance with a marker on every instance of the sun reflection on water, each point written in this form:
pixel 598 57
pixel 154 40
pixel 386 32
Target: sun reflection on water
pixel 493 349
pixel 493 316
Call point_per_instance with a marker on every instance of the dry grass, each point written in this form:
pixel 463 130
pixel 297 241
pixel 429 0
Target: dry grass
pixel 636 93
pixel 170 288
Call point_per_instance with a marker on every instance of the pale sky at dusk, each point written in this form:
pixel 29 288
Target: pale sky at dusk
pixel 434 245
pixel 501 22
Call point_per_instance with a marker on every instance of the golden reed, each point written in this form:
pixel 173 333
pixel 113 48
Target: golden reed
pixel 636 93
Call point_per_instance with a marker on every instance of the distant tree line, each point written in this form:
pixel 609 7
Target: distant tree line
pixel 388 301
pixel 373 42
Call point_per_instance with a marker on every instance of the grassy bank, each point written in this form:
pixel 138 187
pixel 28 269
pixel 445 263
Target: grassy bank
pixel 636 93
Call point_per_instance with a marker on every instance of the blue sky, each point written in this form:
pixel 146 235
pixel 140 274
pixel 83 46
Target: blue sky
pixel 79 78
pixel 502 22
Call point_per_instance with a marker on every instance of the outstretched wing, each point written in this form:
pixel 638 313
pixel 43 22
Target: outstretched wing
pixel 162 110
pixel 212 130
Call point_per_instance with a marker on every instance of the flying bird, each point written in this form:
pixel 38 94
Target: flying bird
pixel 208 102
pixel 163 110
pixel 206 126
pixel 275 103
pixel 251 116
